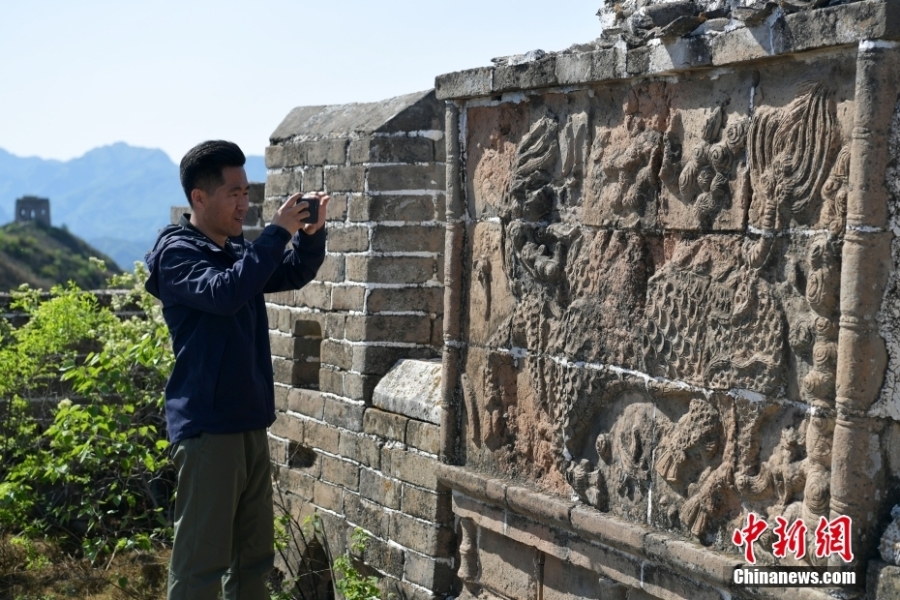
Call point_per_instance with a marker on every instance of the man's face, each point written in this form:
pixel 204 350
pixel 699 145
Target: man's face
pixel 221 214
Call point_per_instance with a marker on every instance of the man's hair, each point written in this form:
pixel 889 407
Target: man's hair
pixel 202 166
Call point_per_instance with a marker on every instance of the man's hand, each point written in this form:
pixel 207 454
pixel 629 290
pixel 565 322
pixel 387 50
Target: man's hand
pixel 291 214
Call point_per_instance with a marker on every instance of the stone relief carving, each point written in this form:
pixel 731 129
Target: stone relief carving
pixel 597 299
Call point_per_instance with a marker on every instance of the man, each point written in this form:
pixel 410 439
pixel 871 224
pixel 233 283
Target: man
pixel 220 396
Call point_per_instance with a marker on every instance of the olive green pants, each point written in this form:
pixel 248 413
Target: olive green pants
pixel 223 518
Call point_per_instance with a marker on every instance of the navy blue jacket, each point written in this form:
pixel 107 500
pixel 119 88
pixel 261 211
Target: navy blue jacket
pixel 214 306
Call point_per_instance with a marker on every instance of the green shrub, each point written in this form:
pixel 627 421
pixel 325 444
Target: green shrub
pixel 92 468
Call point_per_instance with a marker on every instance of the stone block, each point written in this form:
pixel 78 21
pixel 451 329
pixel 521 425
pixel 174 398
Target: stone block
pixel 331 380
pixel 416 208
pixel 279 318
pixel 388 328
pixel 464 84
pixel 428 299
pixel 411 388
pixel 348 239
pixel 332 269
pixel 380 489
pixel 281 397
pixel 390 269
pixel 336 353
pixel 391 149
pixel 413 468
pixel 426 505
pixel 281 345
pixel 507 567
pixel 340 472
pixel 337 207
pixel 378 360
pixel 385 557
pixel 420 536
pixel 335 325
pixel 343 414
pixel 326 152
pixel 306 402
pixel 322 437
pixel 290 480
pixel 270 207
pixel 434 575
pixel 637 61
pixel 565 581
pixel 327 496
pixel 408 238
pixel 607 561
pixel 345 179
pixel 294 155
pixel 423 436
pixel 359 387
pixel 369 451
pixel 274 157
pixel 313 295
pixel 593 524
pixel 368 515
pixel 313 180
pixel 535 74
pixel 545 508
pixel 278 449
pixel 287 426
pixel 406 177
pixel 283 184
pixel 385 425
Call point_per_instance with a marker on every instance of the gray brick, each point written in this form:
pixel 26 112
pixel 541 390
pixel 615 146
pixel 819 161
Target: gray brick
pixel 380 489
pixel 344 414
pixel 257 194
pixel 406 177
pixel 360 387
pixel 390 269
pixel 290 480
pixel 337 354
pixel 427 572
pixel 326 152
pixel 424 436
pixel 391 150
pixel 413 468
pixel 274 157
pixel 337 207
pixel 335 325
pixel 345 179
pixel 348 239
pixel 327 496
pixel 340 472
pixel 393 208
pixel 331 380
pixel 281 397
pixel 408 238
pixel 313 180
pixel 369 451
pixel 283 184
pixel 348 446
pixel 368 515
pixel 426 299
pixel 294 155
pixel 287 426
pixel 348 297
pixel 386 425
pixel 322 437
pixel 426 505
pixel 421 537
pixel 378 360
pixel 387 328
pixel 306 402
pixel 278 451
pixel 332 269
pixel 313 295
pixel 384 557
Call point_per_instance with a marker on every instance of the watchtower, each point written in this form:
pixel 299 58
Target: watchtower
pixel 32 208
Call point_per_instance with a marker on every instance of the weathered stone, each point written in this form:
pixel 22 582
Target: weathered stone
pixel 411 388
pixel 322 437
pixel 274 157
pixel 408 238
pixel 343 414
pixel 348 297
pixel 306 402
pixel 391 149
pixel 474 82
pixel 390 269
pixel 345 179
pixel 413 468
pixel 329 497
pixel 426 299
pixel 416 208
pixel 399 178
pixel 326 152
pixel 426 505
pixel 429 573
pixel 386 425
pixel 348 239
pixel 287 426
pixel 423 436
pixel 420 536
pixel 380 489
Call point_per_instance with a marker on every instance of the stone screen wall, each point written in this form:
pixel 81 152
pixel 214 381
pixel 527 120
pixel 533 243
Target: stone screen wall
pixel 668 260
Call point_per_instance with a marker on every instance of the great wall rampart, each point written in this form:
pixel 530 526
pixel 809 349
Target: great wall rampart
pixel 661 276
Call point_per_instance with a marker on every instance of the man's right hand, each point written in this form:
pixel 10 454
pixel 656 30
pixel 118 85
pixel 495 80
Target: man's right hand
pixel 291 214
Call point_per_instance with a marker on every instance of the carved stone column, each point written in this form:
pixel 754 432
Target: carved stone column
pixel 857 471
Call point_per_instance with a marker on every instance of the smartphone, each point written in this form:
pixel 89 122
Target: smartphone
pixel 313 208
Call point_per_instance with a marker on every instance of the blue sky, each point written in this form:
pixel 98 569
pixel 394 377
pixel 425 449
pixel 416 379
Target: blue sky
pixel 167 74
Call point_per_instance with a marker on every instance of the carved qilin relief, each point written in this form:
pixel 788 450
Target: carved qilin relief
pixel 621 180
pixel 710 321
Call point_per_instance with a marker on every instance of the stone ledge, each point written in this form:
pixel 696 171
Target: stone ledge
pixel 491 504
pixel 799 32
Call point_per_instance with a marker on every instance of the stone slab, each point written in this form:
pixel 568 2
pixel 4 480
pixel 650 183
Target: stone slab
pixel 411 388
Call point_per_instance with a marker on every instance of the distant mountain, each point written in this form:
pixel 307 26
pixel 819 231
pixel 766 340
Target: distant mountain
pixel 115 197
pixel 43 256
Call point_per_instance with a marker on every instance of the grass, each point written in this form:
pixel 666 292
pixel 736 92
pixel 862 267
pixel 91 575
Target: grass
pixel 43 571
